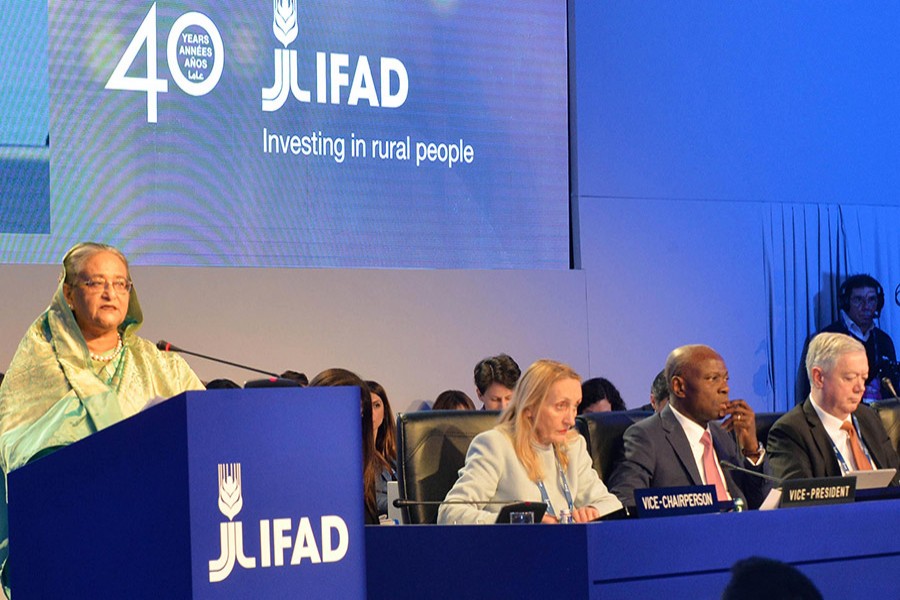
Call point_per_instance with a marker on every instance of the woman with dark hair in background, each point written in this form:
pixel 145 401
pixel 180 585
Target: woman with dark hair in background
pixel 372 461
pixel 453 400
pixel 383 423
pixel 385 443
pixel 600 395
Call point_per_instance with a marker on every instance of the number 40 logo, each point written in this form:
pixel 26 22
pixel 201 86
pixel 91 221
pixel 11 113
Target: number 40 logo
pixel 195 59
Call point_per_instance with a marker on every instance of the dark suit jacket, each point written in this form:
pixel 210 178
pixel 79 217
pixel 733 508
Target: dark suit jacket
pixel 799 446
pixel 658 454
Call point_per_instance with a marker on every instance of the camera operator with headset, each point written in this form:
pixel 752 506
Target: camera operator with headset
pixel 861 299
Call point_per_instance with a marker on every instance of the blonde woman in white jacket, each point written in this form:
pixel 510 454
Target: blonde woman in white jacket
pixel 533 454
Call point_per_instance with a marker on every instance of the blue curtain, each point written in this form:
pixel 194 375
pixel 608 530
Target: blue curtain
pixel 808 250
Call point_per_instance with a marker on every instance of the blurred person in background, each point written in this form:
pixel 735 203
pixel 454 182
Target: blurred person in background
pixel 600 395
pixel 385 427
pixel 453 400
pixel 495 378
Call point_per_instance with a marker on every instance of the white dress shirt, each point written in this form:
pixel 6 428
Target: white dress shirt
pixel 853 328
pixel 840 437
pixel 694 432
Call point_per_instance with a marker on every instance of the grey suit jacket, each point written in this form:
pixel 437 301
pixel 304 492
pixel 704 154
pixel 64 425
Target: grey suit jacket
pixel 799 446
pixel 658 454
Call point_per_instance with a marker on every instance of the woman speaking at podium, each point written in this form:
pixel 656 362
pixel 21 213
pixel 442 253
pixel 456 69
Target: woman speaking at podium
pixel 81 366
pixel 533 454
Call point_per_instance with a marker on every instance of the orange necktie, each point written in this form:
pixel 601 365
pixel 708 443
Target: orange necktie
pixel 859 457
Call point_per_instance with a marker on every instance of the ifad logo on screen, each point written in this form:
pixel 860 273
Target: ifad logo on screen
pixel 332 74
pixel 276 536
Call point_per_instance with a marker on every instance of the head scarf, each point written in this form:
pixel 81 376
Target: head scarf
pixel 51 395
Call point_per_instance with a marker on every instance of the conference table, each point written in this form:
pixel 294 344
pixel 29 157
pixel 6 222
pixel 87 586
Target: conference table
pixel 848 550
pixel 146 508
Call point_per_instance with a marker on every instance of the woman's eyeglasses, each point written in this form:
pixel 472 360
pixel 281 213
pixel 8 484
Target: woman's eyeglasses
pixel 96 285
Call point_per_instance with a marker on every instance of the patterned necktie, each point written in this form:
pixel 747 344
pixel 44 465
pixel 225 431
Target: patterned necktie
pixel 859 457
pixel 711 469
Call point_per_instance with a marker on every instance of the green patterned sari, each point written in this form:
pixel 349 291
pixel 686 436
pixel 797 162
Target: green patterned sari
pixel 54 393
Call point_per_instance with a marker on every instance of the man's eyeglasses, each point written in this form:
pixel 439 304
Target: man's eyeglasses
pixel 96 285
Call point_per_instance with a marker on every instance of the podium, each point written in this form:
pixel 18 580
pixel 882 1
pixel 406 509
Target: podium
pixel 215 494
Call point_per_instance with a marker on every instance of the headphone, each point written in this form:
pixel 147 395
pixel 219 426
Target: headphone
pixel 859 281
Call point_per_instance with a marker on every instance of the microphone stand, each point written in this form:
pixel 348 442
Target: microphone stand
pixel 733 467
pixel 167 347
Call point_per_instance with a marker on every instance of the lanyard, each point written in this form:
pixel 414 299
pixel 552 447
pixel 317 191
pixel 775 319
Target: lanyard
pixel 844 465
pixel 545 498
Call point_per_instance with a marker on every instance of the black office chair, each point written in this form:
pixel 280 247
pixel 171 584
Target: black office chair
pixel 889 412
pixel 431 449
pixel 603 433
pixel 764 422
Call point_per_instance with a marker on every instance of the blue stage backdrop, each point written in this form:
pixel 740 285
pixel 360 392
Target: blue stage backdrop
pixel 301 133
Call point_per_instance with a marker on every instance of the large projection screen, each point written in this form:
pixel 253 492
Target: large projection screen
pixel 290 133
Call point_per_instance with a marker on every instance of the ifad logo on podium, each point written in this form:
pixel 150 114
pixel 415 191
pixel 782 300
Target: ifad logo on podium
pixel 276 536
pixel 332 76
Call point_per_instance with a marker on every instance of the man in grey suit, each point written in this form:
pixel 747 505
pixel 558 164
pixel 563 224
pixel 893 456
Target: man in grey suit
pixel 832 432
pixel 672 448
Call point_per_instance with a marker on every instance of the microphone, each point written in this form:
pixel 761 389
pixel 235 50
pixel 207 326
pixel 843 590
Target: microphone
pixel 886 382
pixel 733 467
pixel 167 347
